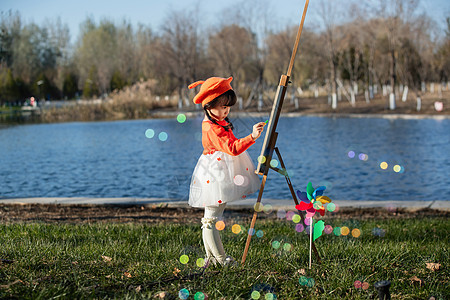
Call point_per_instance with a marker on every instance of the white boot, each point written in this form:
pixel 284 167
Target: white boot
pixel 213 244
pixel 211 236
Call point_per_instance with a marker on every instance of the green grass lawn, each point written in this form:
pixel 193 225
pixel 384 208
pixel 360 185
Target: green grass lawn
pixel 134 261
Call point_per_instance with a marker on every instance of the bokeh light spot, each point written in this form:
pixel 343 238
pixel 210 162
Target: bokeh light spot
pixel 269 296
pixel 149 133
pixel 251 231
pixel 331 207
pixel 184 259
pixel 299 227
pixel 239 180
pixel 181 118
pixel 317 205
pixel 438 105
pixel 345 230
pixel 261 159
pixel 260 233
pixel 274 163
pixel 378 232
pixel 308 230
pixel 183 294
pixel 199 296
pixel 357 284
pixel 220 225
pixel 267 209
pixel 256 295
pixel 363 156
pixel 397 168
pixel 384 165
pixel 351 154
pixel 163 136
pixel 296 218
pixel 281 214
pixel 328 229
pixel 236 229
pixel 303 280
pixel 289 215
pixel 287 247
pixel 258 207
pixel 356 233
pixel 200 262
pixel 365 285
pixel 276 244
pixel 337 231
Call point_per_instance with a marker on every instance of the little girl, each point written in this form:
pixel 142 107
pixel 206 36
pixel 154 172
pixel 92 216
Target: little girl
pixel 224 172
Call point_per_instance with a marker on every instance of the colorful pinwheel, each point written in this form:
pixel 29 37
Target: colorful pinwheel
pixel 312 200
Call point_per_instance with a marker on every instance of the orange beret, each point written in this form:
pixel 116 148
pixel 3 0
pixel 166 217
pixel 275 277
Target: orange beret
pixel 211 89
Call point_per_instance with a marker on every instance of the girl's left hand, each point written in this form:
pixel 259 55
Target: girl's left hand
pixel 257 130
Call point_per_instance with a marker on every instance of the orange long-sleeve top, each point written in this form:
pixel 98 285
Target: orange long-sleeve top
pixel 216 138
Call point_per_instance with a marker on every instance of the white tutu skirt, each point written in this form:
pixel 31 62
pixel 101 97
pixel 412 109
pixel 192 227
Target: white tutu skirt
pixel 221 178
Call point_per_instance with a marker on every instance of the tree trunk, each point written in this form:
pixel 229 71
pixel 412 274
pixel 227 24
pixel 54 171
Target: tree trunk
pixel 333 85
pixel 405 94
pixel 392 82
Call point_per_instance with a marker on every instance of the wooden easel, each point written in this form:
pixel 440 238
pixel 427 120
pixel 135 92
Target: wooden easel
pixel 270 142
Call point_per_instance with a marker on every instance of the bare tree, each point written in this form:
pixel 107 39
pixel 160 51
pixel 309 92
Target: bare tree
pixel 180 50
pixel 58 38
pixel 145 57
pixel 396 13
pixel 125 63
pixel 279 50
pixel 231 48
pixel 257 18
pixel 352 55
pixel 97 51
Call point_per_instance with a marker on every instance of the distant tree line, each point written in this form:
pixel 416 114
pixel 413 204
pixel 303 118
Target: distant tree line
pixel 384 43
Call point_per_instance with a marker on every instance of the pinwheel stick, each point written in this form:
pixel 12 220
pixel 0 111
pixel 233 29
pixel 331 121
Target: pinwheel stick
pixel 310 239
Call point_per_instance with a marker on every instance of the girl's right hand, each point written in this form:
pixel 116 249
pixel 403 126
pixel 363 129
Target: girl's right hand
pixel 257 129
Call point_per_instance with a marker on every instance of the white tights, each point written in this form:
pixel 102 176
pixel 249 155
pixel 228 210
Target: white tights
pixel 211 238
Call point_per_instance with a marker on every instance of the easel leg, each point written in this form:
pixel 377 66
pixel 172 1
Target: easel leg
pixel 255 214
pixel 291 188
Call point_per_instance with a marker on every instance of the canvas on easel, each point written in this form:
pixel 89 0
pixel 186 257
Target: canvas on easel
pixel 269 145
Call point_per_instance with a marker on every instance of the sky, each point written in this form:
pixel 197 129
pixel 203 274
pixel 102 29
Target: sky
pixel 154 12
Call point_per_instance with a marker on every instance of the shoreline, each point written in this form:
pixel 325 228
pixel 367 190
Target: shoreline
pixel 286 204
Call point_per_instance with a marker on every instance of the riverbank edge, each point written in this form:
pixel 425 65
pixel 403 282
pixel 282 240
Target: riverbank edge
pixel 286 204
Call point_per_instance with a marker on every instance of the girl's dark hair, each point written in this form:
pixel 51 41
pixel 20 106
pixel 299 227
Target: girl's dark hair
pixel 226 99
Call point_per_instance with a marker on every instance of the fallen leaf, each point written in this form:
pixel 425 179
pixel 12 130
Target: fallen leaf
pixel 106 258
pixel 433 266
pixel 415 279
pixel 176 271
pixel 160 295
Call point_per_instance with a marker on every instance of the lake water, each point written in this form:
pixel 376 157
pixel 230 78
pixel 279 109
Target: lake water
pixel 117 159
